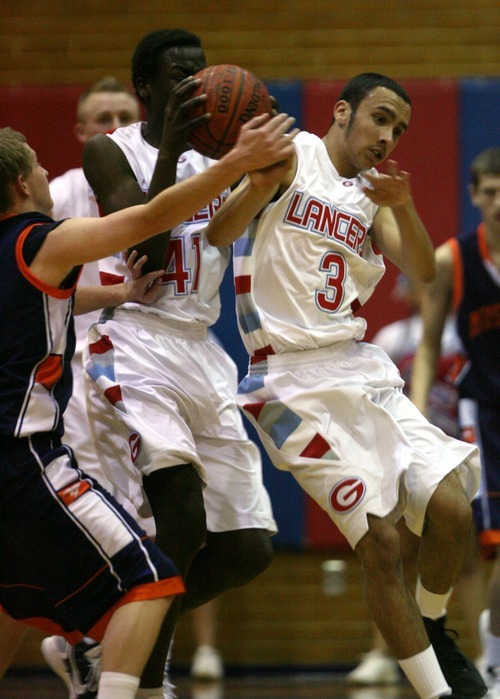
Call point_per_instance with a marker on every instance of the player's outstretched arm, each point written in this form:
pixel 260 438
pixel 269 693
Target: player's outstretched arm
pixel 248 200
pixel 261 142
pixel 435 306
pixel 142 288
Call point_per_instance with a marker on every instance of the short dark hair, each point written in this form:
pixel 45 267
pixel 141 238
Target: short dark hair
pixel 152 46
pixel 15 160
pixel 358 87
pixel 486 163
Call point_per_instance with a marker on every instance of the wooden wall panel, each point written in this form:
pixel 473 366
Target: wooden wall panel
pixel 61 42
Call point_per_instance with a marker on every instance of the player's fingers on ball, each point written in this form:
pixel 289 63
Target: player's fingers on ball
pixel 275 105
pixel 187 85
pixel 194 102
pixel 256 122
pixel 141 261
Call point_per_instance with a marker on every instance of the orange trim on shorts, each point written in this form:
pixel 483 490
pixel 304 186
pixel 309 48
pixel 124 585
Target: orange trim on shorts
pixel 48 627
pixel 458 274
pixel 49 371
pixel 162 588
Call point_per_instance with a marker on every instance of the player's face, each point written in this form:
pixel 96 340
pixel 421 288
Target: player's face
pixel 174 65
pixel 38 184
pixel 106 111
pixel 373 131
pixel 486 196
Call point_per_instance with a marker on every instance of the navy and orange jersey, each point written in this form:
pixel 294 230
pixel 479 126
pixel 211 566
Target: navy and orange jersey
pixel 37 339
pixel 476 298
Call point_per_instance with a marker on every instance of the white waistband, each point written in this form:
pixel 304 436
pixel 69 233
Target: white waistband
pixel 290 360
pixel 159 324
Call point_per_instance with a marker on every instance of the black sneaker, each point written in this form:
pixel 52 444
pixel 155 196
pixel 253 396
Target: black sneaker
pixel 460 672
pixel 78 666
pixel 85 661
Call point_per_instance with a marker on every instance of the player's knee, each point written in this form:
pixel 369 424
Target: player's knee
pixel 380 547
pixel 259 554
pixel 176 499
pixel 449 509
pixel 248 553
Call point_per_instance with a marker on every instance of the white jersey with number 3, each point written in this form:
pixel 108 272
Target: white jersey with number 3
pixel 194 269
pixel 303 242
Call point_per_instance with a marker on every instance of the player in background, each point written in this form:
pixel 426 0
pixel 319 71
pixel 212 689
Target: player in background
pixel 400 340
pixel 330 408
pixel 118 585
pixel 468 282
pixel 162 395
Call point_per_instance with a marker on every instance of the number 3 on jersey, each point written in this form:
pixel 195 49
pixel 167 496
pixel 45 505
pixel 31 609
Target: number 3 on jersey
pixel 183 267
pixel 334 265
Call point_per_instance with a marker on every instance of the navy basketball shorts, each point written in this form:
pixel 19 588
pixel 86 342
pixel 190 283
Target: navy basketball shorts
pixel 69 553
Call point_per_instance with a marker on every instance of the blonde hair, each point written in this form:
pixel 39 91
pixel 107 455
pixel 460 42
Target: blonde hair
pixel 107 84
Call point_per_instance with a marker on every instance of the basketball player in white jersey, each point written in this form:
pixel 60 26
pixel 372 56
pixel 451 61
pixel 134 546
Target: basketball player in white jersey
pixel 330 408
pixel 104 106
pixel 162 394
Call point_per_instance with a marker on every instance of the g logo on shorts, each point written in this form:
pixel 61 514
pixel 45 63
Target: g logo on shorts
pixel 135 444
pixel 347 493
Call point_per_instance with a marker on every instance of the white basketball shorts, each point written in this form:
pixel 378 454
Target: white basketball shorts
pixel 160 395
pixel 337 419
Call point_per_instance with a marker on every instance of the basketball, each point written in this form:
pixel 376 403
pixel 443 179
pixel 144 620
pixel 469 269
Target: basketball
pixel 234 96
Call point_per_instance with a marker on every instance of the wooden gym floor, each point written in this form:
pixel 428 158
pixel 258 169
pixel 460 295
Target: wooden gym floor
pixel 292 686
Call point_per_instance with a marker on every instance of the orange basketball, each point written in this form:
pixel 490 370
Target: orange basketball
pixel 234 96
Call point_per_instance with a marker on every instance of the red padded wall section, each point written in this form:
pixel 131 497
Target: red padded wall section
pixel 45 115
pixel 429 152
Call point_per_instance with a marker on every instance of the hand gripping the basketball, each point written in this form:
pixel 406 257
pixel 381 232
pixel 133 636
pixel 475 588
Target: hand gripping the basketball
pixel 179 118
pixel 264 140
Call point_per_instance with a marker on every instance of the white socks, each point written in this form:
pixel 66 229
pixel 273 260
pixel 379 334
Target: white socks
pixel 426 676
pixel 431 605
pixel 491 643
pixel 117 685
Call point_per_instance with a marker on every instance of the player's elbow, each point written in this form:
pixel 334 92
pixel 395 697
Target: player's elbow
pixel 216 237
pixel 429 271
pixel 425 272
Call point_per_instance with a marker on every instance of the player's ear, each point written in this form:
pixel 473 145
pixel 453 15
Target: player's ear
pixel 79 131
pixel 142 88
pixel 341 113
pixel 22 186
pixel 472 194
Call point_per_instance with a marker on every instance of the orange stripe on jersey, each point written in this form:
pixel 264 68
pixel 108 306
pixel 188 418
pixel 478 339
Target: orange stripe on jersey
pixel 458 274
pixel 482 243
pixel 72 492
pixel 49 371
pixel 26 272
